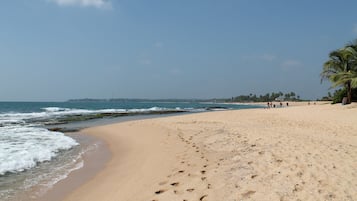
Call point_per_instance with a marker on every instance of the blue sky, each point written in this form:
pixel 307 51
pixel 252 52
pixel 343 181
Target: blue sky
pixel 53 50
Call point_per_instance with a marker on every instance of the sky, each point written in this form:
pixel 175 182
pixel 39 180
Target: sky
pixel 54 50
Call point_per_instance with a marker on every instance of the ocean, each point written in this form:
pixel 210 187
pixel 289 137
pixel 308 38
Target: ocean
pixel 35 152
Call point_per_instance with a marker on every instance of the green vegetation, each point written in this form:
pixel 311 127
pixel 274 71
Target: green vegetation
pixel 338 95
pixel 275 96
pixel 341 71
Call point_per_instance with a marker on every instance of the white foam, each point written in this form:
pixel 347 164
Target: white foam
pixel 55 180
pixel 22 147
pixel 55 109
pixel 153 109
pixel 57 112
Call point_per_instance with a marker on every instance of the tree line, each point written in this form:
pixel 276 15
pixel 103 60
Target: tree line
pixel 274 96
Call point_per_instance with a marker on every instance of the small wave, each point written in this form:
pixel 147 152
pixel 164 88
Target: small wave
pixel 22 147
pixel 55 109
pixel 56 178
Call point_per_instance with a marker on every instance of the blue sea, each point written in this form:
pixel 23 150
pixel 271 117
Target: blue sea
pixel 35 153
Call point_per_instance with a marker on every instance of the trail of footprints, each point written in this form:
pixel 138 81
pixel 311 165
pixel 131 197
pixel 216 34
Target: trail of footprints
pixel 296 175
pixel 195 158
pixel 179 188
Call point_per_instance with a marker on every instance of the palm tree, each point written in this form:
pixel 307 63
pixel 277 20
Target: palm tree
pixel 353 75
pixel 341 68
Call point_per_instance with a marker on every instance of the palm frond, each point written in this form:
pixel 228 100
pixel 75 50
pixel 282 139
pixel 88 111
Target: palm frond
pixel 341 68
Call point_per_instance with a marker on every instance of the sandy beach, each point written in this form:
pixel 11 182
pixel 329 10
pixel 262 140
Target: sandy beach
pixel 306 152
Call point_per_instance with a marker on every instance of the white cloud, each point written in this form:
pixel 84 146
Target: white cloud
pixel 105 4
pixel 263 57
pixel 290 64
pixel 355 28
pixel 268 57
pixel 271 59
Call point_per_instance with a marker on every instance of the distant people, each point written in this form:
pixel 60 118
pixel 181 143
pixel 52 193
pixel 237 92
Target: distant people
pixel 274 105
pixel 287 104
pixel 268 105
pixel 281 104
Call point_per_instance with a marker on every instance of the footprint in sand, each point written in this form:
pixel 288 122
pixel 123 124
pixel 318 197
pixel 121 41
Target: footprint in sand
pixel 175 184
pixel 176 192
pixel 190 189
pixel 203 197
pixel 297 188
pixel 299 174
pixel 248 194
pixel 160 191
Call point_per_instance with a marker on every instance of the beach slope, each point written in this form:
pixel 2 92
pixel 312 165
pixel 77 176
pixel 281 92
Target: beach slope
pixel 293 153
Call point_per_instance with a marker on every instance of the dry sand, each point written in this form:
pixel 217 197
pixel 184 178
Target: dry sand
pixel 294 153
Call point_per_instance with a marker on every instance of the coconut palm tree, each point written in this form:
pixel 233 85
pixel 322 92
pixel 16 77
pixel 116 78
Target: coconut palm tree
pixel 341 68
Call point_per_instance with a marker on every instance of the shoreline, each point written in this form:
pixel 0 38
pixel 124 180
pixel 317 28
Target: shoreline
pixel 91 167
pixel 133 154
pixel 253 154
pixel 93 162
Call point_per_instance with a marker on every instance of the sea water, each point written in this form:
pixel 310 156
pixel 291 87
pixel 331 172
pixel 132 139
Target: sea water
pixel 32 156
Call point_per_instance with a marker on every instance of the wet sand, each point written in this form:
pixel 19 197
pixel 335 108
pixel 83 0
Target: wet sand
pixel 94 160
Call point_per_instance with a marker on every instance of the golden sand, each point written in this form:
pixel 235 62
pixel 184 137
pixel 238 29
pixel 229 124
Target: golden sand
pixel 292 153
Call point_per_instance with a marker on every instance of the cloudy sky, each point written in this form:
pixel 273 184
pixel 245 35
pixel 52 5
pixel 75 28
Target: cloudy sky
pixel 53 50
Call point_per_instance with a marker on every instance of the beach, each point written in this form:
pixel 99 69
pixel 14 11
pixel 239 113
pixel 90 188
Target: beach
pixel 306 152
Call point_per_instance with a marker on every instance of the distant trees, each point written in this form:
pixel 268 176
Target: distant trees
pixel 291 96
pixel 341 69
pixel 338 95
